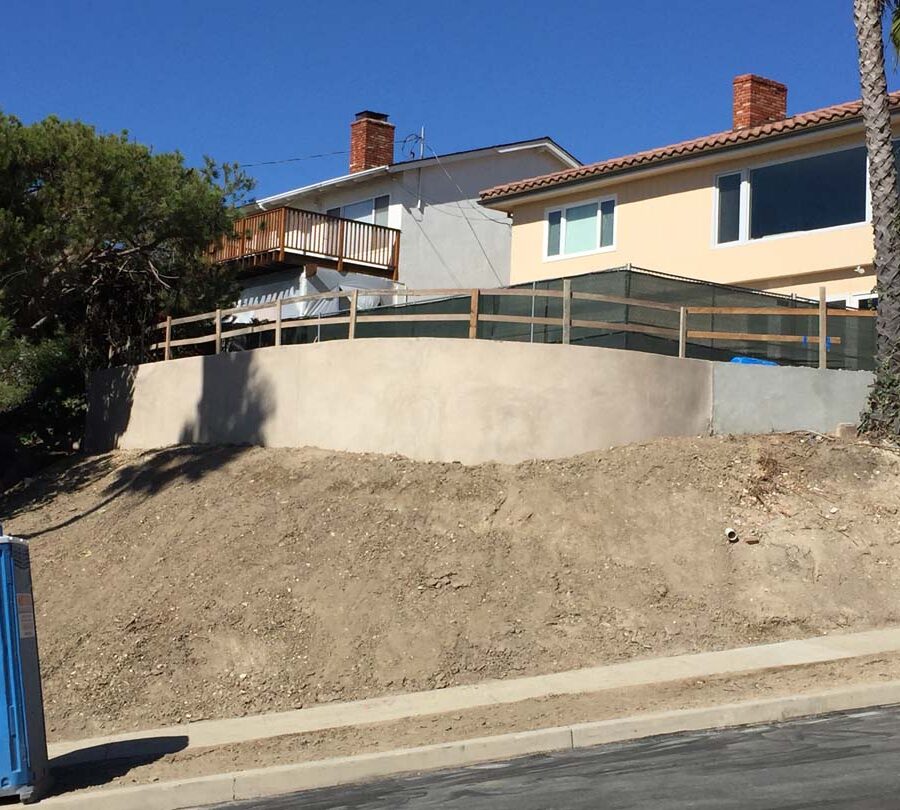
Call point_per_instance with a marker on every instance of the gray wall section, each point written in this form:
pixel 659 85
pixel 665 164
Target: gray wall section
pixel 447 239
pixel 454 400
pixel 762 399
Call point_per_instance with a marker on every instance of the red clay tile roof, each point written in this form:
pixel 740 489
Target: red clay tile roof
pixel 809 120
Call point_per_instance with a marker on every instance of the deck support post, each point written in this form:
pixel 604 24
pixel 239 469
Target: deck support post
pixel 354 299
pixel 278 322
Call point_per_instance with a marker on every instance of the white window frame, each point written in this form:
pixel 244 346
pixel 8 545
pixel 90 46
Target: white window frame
pixel 745 202
pixel 359 202
pixel 562 228
pixel 852 300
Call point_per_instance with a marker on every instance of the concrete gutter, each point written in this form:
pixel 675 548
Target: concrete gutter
pixel 210 733
pixel 284 779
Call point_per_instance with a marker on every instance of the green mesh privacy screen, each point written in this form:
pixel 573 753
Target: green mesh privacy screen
pixel 855 351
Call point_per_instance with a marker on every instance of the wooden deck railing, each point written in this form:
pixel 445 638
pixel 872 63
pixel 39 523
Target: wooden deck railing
pixel 282 231
pixel 473 317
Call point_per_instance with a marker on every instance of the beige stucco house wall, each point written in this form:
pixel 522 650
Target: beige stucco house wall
pixel 666 207
pixel 665 221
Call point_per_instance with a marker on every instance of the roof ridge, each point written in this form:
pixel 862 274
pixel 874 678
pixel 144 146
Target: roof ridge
pixel 705 143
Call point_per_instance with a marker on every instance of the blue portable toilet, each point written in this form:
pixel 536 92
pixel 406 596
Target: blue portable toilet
pixel 24 771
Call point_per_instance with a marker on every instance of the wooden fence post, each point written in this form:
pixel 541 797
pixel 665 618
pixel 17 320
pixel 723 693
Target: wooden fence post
pixel 823 329
pixel 278 322
pixel 351 332
pixel 567 311
pixel 682 331
pixel 473 315
pixel 167 351
pixel 218 331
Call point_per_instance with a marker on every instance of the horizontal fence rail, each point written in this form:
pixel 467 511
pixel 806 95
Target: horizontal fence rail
pixel 275 322
pixel 284 230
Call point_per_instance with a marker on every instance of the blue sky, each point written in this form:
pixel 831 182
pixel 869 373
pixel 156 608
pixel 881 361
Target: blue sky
pixel 277 79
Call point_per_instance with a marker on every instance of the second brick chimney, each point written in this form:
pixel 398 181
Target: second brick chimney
pixel 757 101
pixel 371 141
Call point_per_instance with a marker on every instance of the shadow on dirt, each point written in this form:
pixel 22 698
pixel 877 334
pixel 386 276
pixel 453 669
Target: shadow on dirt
pixel 234 405
pixel 91 767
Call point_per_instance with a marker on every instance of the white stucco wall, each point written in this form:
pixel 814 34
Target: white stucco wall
pixel 438 248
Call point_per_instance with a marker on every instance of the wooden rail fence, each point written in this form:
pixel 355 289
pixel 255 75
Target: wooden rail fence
pixel 473 317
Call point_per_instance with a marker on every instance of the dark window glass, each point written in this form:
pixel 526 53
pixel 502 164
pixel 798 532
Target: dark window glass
pixel 333 212
pixel 554 218
pixel 802 195
pixel 607 221
pixel 729 229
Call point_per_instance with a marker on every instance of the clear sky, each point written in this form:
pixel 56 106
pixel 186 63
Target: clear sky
pixel 276 79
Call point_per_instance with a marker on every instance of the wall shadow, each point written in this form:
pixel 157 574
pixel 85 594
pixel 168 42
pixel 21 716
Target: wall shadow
pixel 99 765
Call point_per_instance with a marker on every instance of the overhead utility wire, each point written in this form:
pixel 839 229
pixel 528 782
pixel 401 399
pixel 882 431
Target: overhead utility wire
pixel 487 258
pixel 311 157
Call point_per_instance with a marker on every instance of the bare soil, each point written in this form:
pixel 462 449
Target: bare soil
pixel 195 583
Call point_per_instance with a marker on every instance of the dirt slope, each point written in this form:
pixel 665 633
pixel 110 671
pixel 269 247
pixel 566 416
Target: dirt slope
pixel 197 583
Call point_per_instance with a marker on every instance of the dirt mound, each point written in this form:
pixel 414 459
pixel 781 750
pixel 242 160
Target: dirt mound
pixel 195 583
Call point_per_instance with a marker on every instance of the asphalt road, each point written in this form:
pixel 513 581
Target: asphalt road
pixel 843 760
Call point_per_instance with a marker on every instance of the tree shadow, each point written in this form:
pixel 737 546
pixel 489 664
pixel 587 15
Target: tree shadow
pixel 110 399
pixel 235 403
pixel 57 479
pixel 99 765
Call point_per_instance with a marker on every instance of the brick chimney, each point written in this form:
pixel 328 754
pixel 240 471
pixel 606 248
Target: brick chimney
pixel 757 100
pixel 371 141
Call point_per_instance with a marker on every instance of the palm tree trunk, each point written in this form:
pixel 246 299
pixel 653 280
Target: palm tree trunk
pixel 884 402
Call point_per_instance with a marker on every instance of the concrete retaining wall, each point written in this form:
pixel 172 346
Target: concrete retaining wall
pixel 455 400
pixel 762 399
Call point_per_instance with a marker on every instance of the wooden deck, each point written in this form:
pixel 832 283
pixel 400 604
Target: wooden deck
pixel 287 236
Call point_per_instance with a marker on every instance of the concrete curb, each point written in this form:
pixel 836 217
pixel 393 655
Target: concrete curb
pixel 283 779
pixel 209 733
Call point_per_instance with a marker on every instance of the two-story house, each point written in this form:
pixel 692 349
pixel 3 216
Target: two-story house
pixel 385 224
pixel 777 203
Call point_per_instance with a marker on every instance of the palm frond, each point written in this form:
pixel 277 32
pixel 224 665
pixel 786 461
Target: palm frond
pixel 892 8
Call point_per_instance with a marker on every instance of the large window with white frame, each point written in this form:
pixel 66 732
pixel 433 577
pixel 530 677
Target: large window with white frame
pixel 792 196
pixel 575 230
pixel 374 210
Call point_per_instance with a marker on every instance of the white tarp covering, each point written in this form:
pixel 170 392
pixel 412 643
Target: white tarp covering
pixel 271 287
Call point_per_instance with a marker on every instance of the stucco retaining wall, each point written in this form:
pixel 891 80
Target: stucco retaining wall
pixel 454 400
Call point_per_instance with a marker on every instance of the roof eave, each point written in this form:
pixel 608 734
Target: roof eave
pixel 820 131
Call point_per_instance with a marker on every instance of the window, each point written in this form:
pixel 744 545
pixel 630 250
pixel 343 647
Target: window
pixel 729 186
pixel 374 210
pixel 807 194
pixel 582 228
